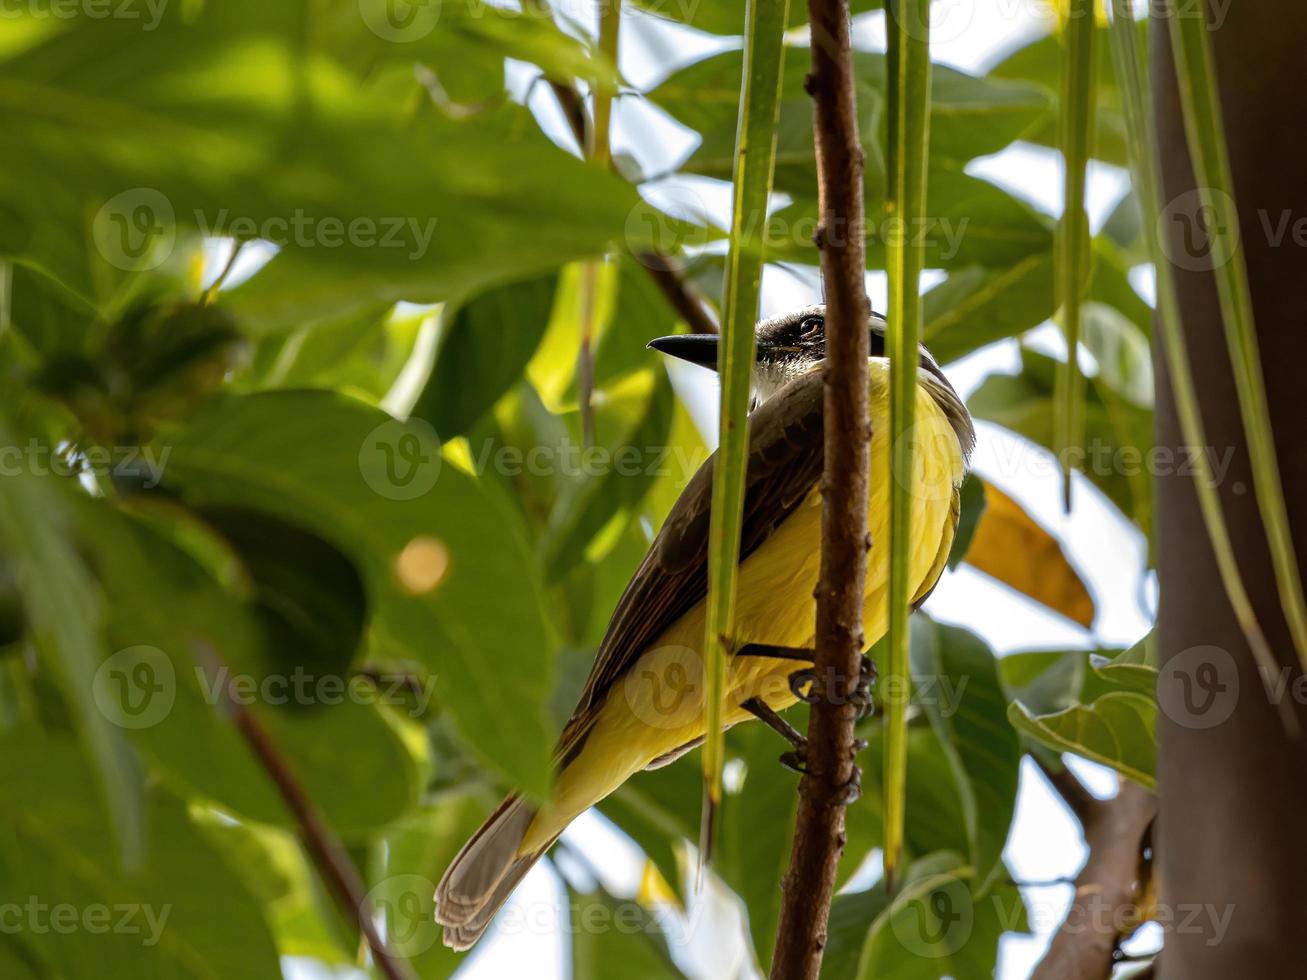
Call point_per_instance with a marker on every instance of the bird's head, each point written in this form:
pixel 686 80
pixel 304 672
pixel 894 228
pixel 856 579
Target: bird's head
pixel 787 346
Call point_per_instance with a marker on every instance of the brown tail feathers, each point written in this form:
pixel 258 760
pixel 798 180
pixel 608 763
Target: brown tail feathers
pixel 484 873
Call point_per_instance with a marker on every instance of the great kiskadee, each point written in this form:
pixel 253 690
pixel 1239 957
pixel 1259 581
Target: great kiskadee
pixel 642 706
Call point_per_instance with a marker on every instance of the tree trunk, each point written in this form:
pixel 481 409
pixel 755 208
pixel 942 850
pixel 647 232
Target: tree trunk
pixel 1232 852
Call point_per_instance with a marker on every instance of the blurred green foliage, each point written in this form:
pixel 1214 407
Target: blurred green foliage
pixel 381 519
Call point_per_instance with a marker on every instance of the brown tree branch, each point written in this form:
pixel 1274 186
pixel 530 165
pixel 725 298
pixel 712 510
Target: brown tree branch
pixel 325 850
pixel 819 830
pixel 1110 888
pixel 1084 804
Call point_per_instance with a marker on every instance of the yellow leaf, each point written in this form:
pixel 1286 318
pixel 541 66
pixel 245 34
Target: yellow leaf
pixel 1011 547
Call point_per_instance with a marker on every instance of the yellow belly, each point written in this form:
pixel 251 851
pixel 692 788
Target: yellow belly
pixel 658 707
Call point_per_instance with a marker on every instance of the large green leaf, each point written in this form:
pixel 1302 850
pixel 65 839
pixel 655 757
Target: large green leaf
pixel 612 938
pixel 183 913
pixel 726 16
pixel 958 687
pixel 61 603
pixel 1115 729
pixel 221 121
pixel 483 351
pixel 968 221
pixel 1040 63
pixel 975 306
pixel 168 614
pixel 933 928
pixel 1117 433
pixel 611 482
pixel 450 582
pixel 969 117
pixel 757 829
pixel 361 354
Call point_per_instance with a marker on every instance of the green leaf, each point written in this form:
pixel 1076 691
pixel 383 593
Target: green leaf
pixel 168 610
pixel 361 354
pixel 969 117
pixel 1044 682
pixel 726 17
pixel 219 120
pixel 612 938
pixel 973 509
pixel 1073 251
pixel 958 686
pixel 62 602
pixel 1118 434
pixel 483 352
pixel 449 578
pixel 967 221
pixel 190 914
pixel 1115 730
pixel 762 71
pixel 1123 353
pixel 583 522
pixel 933 928
pixel 659 809
pixel 757 830
pixel 1040 63
pixel 975 306
pixel 908 150
pixel 307 595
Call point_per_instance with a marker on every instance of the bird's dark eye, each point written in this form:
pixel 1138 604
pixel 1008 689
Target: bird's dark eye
pixel 811 327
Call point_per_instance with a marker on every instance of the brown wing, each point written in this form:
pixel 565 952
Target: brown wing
pixel 785 462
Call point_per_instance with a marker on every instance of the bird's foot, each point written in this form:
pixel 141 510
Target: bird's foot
pixel 851 791
pixel 803 686
pixel 797 760
pixel 862 696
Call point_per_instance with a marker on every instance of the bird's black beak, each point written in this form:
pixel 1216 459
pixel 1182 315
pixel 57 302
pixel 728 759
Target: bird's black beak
pixel 697 348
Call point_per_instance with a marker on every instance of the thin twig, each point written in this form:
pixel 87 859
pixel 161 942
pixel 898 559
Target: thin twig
pixel 211 291
pixel 1110 889
pixel 819 829
pixel 668 280
pixel 328 854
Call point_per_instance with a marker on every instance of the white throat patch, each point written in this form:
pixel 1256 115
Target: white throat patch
pixel 770 377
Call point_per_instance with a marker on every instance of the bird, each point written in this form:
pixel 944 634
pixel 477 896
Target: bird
pixel 642 706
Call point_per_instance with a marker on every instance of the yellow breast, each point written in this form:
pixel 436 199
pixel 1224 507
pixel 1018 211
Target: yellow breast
pixel 658 707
